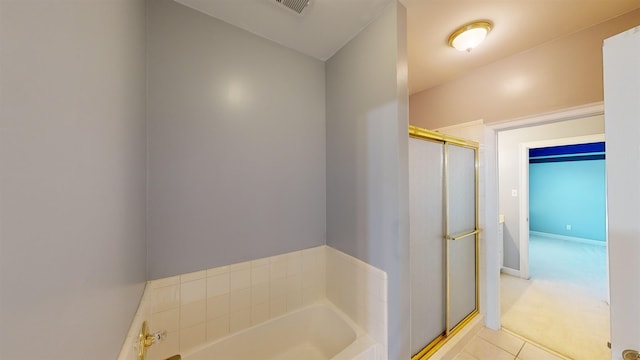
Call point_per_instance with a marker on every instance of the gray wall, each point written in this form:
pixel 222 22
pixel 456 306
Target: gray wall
pixel 236 129
pixel 509 169
pixel 72 159
pixel 367 161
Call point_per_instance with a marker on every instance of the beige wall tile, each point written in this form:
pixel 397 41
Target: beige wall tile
pixel 217 271
pixel 192 337
pixel 259 294
pixel 173 280
pixel 240 300
pixel 277 306
pixel 217 328
pixel 260 262
pixel 217 284
pixel 277 268
pixel 193 291
pixel 278 288
pixel 259 313
pixel 239 279
pixel 239 320
pixel 168 320
pixel 165 298
pixel 217 306
pixel 193 313
pixel 294 263
pixel 260 274
pixel 193 276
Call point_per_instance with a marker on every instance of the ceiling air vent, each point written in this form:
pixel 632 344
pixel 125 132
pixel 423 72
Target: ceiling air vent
pixel 295 5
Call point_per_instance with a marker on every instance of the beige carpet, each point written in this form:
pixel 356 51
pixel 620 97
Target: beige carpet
pixel 564 317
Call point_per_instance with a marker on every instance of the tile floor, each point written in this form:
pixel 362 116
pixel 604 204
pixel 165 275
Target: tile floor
pixel 500 345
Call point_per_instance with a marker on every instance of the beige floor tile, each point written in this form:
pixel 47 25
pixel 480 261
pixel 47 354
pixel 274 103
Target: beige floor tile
pixel 502 340
pixel 465 356
pixel 484 350
pixel 532 352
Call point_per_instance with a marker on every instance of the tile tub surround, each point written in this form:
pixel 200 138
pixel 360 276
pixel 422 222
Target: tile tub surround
pixel 201 307
pixel 360 291
pixel 129 349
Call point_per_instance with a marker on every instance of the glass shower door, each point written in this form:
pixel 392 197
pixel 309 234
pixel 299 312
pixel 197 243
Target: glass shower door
pixel 461 224
pixel 428 277
pixel 443 238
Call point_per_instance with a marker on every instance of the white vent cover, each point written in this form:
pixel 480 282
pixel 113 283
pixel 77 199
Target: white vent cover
pixel 295 5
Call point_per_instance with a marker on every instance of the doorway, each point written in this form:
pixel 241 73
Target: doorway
pixel 567 212
pixel 523 190
pixel 547 312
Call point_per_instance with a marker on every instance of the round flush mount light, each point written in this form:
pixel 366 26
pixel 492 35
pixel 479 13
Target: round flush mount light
pixel 470 35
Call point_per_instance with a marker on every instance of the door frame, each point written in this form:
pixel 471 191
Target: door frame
pixel 491 284
pixel 523 185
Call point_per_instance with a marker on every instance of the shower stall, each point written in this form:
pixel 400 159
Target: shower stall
pixel 443 185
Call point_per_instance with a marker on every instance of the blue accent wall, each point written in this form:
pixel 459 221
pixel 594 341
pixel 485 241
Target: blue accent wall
pixel 568 192
pixel 574 149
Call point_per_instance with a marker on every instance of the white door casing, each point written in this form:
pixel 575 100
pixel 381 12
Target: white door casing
pixel 622 129
pixel 523 186
pixel 490 282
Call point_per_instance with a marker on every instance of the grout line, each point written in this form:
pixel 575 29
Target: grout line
pixel 466 353
pixel 553 352
pixel 498 346
pixel 521 347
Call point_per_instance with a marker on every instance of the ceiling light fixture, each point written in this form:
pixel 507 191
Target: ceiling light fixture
pixel 470 35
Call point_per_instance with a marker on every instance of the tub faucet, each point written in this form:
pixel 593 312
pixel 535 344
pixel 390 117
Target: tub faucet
pixel 146 339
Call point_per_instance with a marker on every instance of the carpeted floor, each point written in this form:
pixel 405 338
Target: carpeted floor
pixel 571 262
pixel 563 306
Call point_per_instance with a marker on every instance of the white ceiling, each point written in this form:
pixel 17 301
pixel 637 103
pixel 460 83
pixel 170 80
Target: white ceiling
pixel 326 25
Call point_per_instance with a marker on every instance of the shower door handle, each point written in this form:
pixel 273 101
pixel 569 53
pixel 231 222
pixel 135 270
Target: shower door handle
pixel 458 237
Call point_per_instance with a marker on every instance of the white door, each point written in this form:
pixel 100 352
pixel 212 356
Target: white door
pixel 622 129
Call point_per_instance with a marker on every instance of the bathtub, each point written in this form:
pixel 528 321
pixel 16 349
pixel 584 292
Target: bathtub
pixel 315 332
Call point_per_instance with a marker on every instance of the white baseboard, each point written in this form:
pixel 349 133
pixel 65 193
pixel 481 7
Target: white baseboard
pixel 510 271
pixel 568 238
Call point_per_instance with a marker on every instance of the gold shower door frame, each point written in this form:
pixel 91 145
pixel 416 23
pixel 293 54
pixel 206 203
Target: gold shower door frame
pixel 438 342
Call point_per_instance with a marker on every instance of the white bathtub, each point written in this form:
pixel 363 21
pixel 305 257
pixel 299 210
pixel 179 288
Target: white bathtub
pixel 316 332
